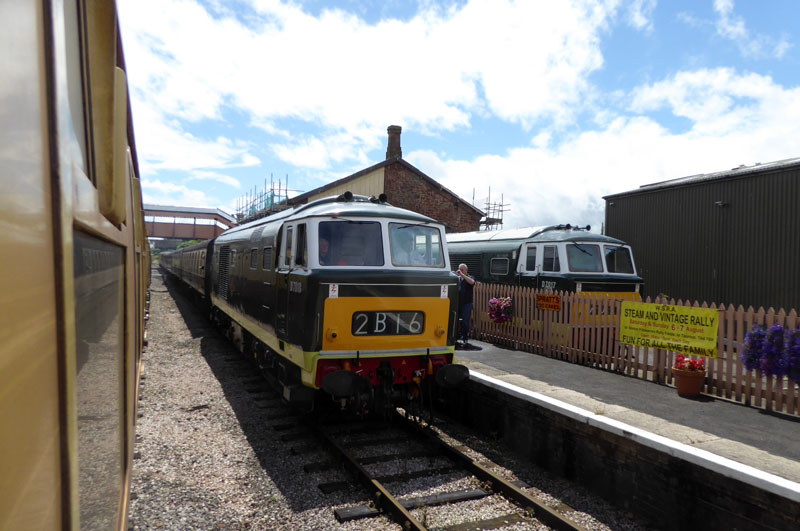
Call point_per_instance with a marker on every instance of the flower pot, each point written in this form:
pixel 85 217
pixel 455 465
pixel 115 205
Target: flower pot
pixel 689 383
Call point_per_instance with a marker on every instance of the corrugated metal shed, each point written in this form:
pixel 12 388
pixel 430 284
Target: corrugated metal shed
pixel 729 237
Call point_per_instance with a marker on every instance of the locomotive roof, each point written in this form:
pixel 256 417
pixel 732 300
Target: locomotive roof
pixel 531 234
pixel 339 206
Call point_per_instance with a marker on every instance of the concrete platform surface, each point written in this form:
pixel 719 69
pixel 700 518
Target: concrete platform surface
pixel 766 441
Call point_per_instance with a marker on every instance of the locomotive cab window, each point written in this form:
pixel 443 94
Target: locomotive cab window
pixel 618 259
pixel 350 243
pixel 550 259
pixel 301 249
pixel 584 258
pixel 415 245
pixel 287 247
pixel 530 258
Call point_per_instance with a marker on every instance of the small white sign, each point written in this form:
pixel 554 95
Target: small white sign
pixel 333 291
pixel 443 293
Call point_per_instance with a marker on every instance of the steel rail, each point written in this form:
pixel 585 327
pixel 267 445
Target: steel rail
pixel 383 499
pixel 543 513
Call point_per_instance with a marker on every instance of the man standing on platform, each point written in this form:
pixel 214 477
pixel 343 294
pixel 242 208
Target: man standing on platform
pixel 465 285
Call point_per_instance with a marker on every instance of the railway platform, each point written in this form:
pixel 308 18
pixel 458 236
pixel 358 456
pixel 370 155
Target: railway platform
pixel 760 440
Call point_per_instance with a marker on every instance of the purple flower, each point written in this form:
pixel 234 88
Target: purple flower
pixel 753 346
pixel 772 359
pixel 791 354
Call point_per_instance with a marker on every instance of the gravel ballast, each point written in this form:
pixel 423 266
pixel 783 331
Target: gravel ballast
pixel 209 452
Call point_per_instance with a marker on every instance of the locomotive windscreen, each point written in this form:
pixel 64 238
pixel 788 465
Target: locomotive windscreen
pixel 618 260
pixel 356 243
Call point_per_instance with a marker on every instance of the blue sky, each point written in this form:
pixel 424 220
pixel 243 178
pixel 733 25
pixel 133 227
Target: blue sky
pixel 549 105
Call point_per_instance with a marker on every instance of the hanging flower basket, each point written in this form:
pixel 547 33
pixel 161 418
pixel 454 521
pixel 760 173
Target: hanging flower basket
pixel 500 309
pixel 690 375
pixel 775 352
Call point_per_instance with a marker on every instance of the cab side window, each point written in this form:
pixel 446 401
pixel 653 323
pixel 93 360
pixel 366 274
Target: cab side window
pixel 530 260
pixel 551 262
pixel 287 258
pixel 266 261
pixel 301 249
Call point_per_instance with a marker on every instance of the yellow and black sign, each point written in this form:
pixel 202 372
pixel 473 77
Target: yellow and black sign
pixel 691 331
pixel 548 302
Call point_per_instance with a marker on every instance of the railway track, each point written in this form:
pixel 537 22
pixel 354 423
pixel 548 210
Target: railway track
pixel 404 444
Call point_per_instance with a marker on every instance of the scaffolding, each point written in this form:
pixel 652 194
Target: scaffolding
pixel 258 204
pixel 494 212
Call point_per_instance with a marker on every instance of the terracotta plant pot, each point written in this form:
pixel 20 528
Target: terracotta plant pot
pixel 689 383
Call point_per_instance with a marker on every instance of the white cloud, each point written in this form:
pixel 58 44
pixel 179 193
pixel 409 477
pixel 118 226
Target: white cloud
pixel 158 192
pixel 640 14
pixel 522 61
pixel 324 89
pixel 164 145
pixel 733 27
pixel 737 119
pixel 214 176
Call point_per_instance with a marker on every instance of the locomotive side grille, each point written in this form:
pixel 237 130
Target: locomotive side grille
pixel 472 260
pixel 256 234
pixel 224 271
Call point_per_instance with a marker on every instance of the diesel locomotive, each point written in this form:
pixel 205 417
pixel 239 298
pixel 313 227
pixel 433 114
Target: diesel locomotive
pixel 74 270
pixel 557 257
pixel 349 295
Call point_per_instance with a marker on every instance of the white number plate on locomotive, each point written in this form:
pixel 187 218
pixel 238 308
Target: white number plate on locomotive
pixel 388 323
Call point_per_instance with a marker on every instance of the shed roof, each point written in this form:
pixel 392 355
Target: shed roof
pixel 740 171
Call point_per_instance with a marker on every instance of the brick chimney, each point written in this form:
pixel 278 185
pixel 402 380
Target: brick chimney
pixel 393 149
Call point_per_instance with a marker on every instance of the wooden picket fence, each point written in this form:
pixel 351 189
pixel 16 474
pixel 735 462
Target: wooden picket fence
pixel 586 331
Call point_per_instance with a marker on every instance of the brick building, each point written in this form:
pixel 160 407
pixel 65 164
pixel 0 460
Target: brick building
pixel 406 187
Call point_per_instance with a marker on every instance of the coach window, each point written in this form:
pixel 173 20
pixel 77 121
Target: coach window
pixel 551 262
pixel 253 258
pixel 99 294
pixel 77 133
pixel 530 260
pixel 498 266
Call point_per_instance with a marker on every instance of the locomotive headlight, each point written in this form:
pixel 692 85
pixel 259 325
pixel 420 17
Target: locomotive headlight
pixel 331 334
pixel 440 330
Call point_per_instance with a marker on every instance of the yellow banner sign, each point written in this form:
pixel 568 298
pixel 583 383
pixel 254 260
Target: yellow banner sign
pixel 681 329
pixel 548 302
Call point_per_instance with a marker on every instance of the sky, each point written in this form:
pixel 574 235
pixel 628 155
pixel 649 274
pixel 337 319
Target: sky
pixel 544 105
